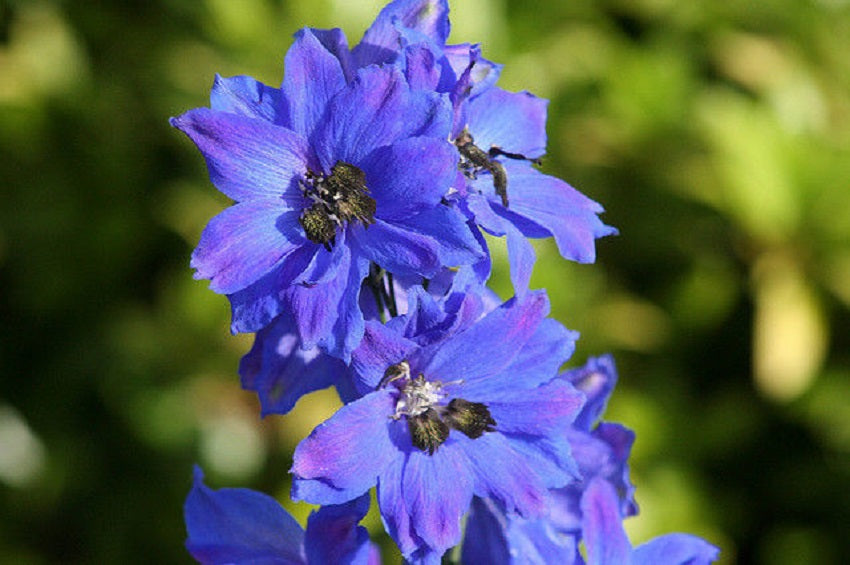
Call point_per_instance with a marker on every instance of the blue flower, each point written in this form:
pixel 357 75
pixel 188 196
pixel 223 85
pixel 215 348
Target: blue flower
pixel 453 405
pixel 328 176
pixel 237 525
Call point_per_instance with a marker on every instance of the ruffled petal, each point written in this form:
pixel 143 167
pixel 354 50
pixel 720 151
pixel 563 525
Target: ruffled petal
pixel 377 109
pixel 512 121
pixel 437 491
pixel 479 351
pixel 250 98
pixel 349 451
pixel 248 158
pixel 281 372
pixel 236 525
pixel 602 526
pixel 409 176
pixel 381 42
pixel 313 76
pixel 244 242
pixel 567 214
pixel 675 549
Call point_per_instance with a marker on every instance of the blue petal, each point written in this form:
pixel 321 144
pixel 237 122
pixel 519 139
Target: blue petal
pixel 398 250
pixel 335 42
pixel 457 240
pixel 596 379
pixel 480 351
pixel 333 535
pixel 602 526
pixel 281 372
pixel 244 242
pixel 313 76
pixel 239 525
pixel 567 214
pixel 409 176
pixel 380 348
pixel 536 362
pixel 551 458
pixel 349 451
pixel 540 411
pixel 377 109
pixel 514 122
pixel 248 158
pixel 503 474
pixel 381 42
pixel 675 549
pixel 394 511
pixel 466 59
pixel 437 491
pixel 484 540
pixel 250 98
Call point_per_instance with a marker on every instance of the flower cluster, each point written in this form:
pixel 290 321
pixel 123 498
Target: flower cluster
pixel 354 251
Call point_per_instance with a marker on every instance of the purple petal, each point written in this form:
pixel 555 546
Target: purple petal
pixel 567 214
pixel 381 42
pixel 458 244
pixel 380 348
pixel 479 351
pixel 551 458
pixel 281 372
pixel 675 549
pixel 248 158
pixel 409 176
pixel 244 242
pixel 394 511
pixel 313 76
pixel 602 526
pixel 250 98
pixel 333 535
pixel 334 41
pixel 503 474
pixel 238 525
pixel 377 109
pixel 350 450
pixel 466 59
pixel 514 122
pixel 437 491
pixel 399 250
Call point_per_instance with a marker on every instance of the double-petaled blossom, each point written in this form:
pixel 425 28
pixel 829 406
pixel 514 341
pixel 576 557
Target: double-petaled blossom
pixel 453 405
pixel 329 176
pixel 238 525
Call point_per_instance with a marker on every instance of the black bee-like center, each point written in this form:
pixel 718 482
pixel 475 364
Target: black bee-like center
pixel 337 199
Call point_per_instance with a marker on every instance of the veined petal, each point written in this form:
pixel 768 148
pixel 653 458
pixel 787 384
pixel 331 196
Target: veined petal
pixel 479 351
pixel 567 214
pixel 540 411
pixel 335 42
pixel 536 363
pixel 237 525
pixel 410 175
pixel 377 109
pixel 333 535
pixel 398 250
pixel 381 42
pixel 437 491
pixel 248 158
pixel 602 526
pixel 244 242
pixel 313 75
pixel 457 240
pixel 350 450
pixel 248 97
pixel 512 121
pixel 484 540
pixel 503 474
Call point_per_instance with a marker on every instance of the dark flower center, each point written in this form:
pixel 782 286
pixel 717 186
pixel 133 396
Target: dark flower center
pixel 428 421
pixel 474 161
pixel 337 199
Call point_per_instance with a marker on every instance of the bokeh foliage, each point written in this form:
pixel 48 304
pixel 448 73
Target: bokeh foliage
pixel 716 134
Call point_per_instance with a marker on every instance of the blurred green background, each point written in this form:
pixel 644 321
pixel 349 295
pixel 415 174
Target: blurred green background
pixel 716 134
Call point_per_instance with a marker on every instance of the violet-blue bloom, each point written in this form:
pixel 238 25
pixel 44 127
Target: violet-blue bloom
pixel 238 525
pixel 452 406
pixel 328 176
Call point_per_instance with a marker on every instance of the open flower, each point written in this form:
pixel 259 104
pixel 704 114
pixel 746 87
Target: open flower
pixel 329 176
pixel 451 407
